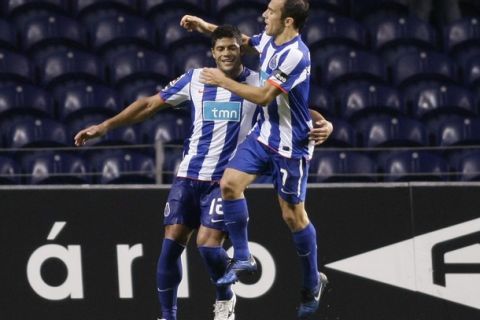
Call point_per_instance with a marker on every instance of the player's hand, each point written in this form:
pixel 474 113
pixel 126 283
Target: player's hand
pixel 193 23
pixel 89 133
pixel 321 131
pixel 212 76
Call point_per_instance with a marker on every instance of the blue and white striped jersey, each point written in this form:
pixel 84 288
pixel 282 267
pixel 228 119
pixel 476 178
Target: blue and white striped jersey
pixel 220 121
pixel 284 124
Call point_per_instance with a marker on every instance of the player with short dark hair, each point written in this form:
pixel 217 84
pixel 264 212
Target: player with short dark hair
pixel 279 140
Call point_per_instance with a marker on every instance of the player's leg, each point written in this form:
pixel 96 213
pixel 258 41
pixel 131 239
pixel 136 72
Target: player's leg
pixel 210 238
pixel 290 178
pixel 179 222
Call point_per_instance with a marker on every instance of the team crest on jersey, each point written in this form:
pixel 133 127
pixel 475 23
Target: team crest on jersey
pixel 273 62
pixel 166 211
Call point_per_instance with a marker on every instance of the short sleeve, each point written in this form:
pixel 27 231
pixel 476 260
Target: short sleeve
pixel 259 41
pixel 178 90
pixel 292 69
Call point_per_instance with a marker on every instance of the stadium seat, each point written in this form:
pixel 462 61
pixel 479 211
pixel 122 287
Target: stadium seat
pixel 173 157
pixel 18 7
pixel 387 131
pixel 191 56
pixel 50 30
pixel 171 35
pixel 36 132
pixel 322 101
pixel 471 71
pixel 14 66
pixel 139 89
pixel 248 20
pixel 69 65
pixel 367 9
pixel 332 166
pixel 54 168
pixel 342 67
pixel 194 7
pixel 331 30
pixel 468 167
pixel 369 98
pixel 84 7
pixel 111 31
pixel 458 131
pixel 123 167
pixel 20 98
pixel 9 171
pixel 425 66
pixel 336 6
pixel 433 99
pixel 7 35
pixel 131 63
pixel 343 134
pixel 168 127
pixel 82 98
pixel 415 166
pixel 462 35
pixel 220 7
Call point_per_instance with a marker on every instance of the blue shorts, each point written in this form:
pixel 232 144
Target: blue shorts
pixel 289 175
pixel 193 202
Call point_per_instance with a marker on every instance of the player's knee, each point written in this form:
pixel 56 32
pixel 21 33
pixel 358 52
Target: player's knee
pixel 295 219
pixel 228 188
pixel 208 237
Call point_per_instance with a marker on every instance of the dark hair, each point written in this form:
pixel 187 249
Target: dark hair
pixel 226 31
pixel 296 9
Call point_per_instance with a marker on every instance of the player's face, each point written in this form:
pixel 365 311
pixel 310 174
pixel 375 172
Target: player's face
pixel 227 55
pixel 273 18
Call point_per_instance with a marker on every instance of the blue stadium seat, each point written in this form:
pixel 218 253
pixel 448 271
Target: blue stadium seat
pixel 36 132
pixel 54 168
pixel 220 7
pixel 367 9
pixel 415 166
pixel 343 67
pixel 20 98
pixel 332 166
pixel 334 31
pixel 49 30
pixel 7 35
pixel 248 20
pixel 471 71
pixel 173 157
pixel 84 7
pixel 18 7
pixel 343 134
pixel 69 65
pixel 425 66
pixel 113 30
pixel 126 135
pixel 131 63
pixel 123 167
pixel 433 99
pixel 468 167
pixel 368 98
pixel 81 98
pixel 139 89
pixel 387 131
pixel 190 56
pixel 335 6
pixel 171 35
pixel 322 101
pixel 14 66
pixel 168 127
pixel 462 35
pixel 458 131
pixel 194 7
pixel 9 171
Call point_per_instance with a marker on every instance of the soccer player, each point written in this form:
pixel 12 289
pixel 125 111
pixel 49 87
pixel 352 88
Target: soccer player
pixel 279 139
pixel 220 121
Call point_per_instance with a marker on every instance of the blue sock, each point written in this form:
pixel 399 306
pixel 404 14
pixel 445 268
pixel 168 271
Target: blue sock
pixel 236 220
pixel 306 243
pixel 169 275
pixel 216 260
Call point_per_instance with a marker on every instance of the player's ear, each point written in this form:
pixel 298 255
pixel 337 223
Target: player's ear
pixel 213 53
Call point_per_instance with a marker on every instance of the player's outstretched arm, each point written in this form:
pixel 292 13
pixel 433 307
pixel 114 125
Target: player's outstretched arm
pixel 139 110
pixel 322 128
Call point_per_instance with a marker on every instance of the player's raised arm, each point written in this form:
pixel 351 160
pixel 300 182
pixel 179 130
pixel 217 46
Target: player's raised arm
pixel 139 110
pixel 194 23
